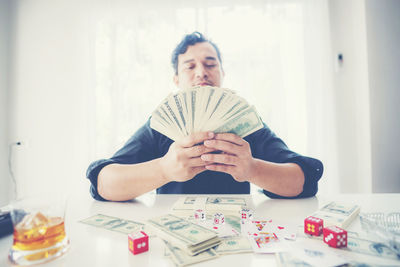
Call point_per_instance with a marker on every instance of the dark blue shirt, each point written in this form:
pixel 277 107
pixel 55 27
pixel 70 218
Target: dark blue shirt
pixel 147 144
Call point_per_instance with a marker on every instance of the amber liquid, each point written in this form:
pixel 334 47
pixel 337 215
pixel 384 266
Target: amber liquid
pixel 40 237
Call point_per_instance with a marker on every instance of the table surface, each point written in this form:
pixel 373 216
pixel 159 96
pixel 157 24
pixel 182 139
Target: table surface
pixel 91 246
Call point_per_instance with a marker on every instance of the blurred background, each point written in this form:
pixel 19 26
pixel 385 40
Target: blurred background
pixel 78 78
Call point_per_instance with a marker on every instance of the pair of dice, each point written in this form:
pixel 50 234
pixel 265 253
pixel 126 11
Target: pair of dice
pixel 138 242
pixel 333 236
pixel 219 218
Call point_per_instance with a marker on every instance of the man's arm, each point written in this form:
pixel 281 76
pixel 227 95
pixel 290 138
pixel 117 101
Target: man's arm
pixel 284 179
pixel 119 182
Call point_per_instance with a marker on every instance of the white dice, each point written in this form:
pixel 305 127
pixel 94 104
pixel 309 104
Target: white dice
pixel 219 218
pixel 200 215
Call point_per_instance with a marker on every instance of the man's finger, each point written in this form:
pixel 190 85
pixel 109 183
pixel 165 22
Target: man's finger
pixel 224 146
pixel 220 158
pixel 221 168
pixel 197 151
pixel 195 138
pixel 230 137
pixel 197 162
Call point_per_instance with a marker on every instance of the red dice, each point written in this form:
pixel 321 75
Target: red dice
pixel 313 225
pixel 138 242
pixel 335 236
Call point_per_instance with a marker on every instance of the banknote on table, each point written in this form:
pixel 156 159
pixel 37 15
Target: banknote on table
pixel 358 243
pixel 189 237
pixel 232 220
pixel 185 206
pixel 369 247
pixel 318 255
pixel 288 259
pixel 113 223
pixel 204 108
pixel 181 258
pixel 234 245
pixel 337 213
pixel 222 230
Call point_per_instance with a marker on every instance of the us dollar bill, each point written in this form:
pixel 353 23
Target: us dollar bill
pixel 369 247
pixel 339 214
pixel 287 259
pixel 181 258
pixel 113 224
pixel 234 245
pixel 244 124
pixel 360 245
pixel 192 203
pixel 234 221
pixel 204 109
pixel 189 237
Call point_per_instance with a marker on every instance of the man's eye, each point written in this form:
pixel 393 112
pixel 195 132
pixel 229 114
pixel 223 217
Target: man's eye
pixel 210 65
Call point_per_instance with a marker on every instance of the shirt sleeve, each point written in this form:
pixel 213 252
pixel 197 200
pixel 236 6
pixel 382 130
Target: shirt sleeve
pixel 139 148
pixel 267 146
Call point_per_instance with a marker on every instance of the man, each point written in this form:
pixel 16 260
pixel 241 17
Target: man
pixel 150 160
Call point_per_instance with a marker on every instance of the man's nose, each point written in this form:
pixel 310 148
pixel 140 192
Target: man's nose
pixel 201 72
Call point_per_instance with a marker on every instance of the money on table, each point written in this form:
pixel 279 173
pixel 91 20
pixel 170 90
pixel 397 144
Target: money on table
pixel 337 213
pixel 189 240
pixel 187 206
pixel 187 236
pixel 222 230
pixel 113 223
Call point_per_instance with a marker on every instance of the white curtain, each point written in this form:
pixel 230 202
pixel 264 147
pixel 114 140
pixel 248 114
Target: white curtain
pixel 275 54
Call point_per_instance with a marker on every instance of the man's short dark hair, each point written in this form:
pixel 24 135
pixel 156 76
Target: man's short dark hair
pixel 190 39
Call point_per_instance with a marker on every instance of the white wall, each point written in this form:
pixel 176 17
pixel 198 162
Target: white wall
pixel 351 89
pixel 48 112
pixel 4 47
pixel 367 32
pixel 383 33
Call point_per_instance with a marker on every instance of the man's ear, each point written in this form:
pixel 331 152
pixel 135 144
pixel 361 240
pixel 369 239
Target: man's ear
pixel 176 80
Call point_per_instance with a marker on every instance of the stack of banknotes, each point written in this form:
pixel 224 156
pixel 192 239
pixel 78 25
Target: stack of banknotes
pixel 189 237
pixel 338 213
pixel 205 108
pixel 185 206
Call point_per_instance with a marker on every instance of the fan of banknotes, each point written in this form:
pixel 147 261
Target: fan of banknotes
pixel 205 108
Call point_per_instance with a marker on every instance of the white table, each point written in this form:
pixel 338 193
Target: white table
pixel 91 246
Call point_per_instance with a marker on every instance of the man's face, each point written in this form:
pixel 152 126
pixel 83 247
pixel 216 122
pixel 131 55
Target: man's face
pixel 199 65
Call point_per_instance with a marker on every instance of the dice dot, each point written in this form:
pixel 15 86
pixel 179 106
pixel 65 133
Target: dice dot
pixel 139 245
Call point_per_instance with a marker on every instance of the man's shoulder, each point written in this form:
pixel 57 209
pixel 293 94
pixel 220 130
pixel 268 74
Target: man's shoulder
pixel 147 134
pixel 145 129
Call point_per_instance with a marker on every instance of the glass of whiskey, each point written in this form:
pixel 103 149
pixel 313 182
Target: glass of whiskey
pixel 39 229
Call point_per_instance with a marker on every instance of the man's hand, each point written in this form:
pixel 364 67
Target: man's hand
pixel 182 161
pixel 236 158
